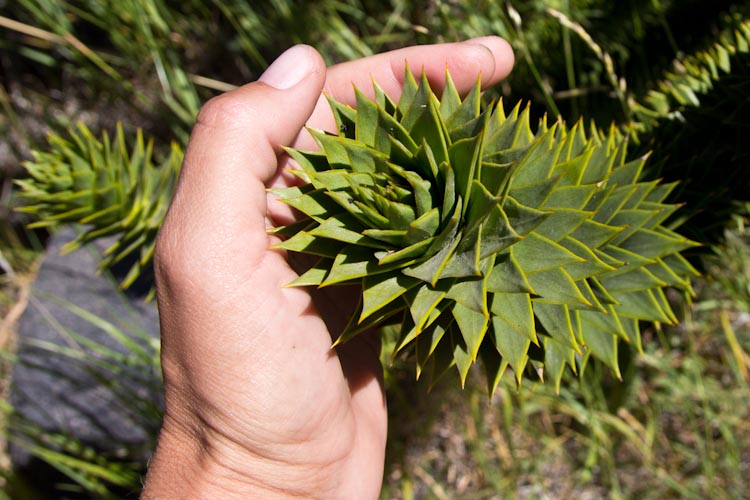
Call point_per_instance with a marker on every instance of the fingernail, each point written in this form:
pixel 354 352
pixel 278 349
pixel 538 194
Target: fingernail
pixel 289 68
pixel 501 51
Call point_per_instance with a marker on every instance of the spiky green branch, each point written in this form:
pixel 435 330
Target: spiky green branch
pixel 691 77
pixel 482 238
pixel 107 187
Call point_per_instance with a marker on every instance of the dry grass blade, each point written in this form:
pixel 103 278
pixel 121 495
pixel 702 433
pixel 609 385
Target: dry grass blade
pixel 741 358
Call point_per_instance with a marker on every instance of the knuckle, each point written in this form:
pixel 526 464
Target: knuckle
pixel 184 255
pixel 165 255
pixel 224 111
pixel 174 255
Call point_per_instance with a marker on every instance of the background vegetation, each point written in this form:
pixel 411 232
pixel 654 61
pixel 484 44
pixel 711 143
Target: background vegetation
pixel 673 75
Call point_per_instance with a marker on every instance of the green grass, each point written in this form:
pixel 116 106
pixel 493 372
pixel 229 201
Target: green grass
pixel 677 426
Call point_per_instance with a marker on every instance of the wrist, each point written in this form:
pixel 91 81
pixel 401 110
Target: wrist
pixel 195 465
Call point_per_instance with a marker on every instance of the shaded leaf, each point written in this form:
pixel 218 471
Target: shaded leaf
pixel 381 289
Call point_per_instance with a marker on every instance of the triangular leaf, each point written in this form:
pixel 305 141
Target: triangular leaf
pixel 556 322
pixel 537 253
pixel 473 326
pixel 514 309
pixel 381 289
pixel 512 346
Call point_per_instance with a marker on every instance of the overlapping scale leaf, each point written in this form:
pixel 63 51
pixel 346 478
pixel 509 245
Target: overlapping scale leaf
pixel 483 238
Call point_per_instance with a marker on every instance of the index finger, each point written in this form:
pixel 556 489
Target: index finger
pixel 490 58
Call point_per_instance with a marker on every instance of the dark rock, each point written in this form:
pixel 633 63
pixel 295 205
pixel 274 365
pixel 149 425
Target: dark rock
pixel 74 377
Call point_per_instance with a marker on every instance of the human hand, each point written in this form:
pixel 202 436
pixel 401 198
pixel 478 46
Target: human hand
pixel 258 405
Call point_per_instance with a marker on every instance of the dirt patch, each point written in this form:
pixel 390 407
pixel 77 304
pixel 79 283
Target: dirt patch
pixel 14 297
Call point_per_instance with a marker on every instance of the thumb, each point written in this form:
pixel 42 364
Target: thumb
pixel 217 218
